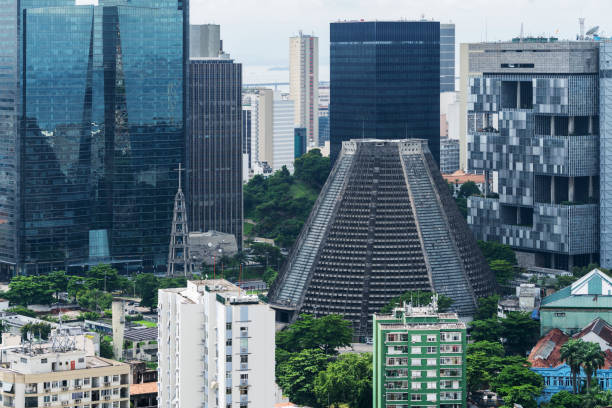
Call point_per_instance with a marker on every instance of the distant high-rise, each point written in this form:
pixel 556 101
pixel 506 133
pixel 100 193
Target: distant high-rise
pixel 385 223
pixel 304 83
pixel 449 155
pixel 299 142
pixel 214 198
pixel 447 57
pixel 91 131
pixel 282 133
pixel 385 81
pixel 205 41
pixel 261 103
pixel 533 123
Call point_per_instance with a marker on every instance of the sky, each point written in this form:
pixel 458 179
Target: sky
pixel 256 32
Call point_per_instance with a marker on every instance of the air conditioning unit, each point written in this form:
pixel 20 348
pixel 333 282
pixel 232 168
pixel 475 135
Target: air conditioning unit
pixel 107 397
pixel 78 387
pixel 77 401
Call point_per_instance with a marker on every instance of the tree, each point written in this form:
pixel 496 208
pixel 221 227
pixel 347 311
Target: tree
pixel 564 281
pixel 572 353
pixel 487 307
pixel 312 168
pixel 486 330
pixel 102 277
pixel 297 375
pixel 347 380
pixel 58 281
pixel 94 300
pixel 21 310
pixel 515 375
pixel 29 290
pixel 417 298
pixel 489 348
pixel 564 399
pixel 468 189
pixel 269 276
pixel 266 254
pixel 36 330
pixel 106 349
pixel 523 395
pixel 503 271
pixel 326 333
pixel 520 331
pixel 596 398
pixel 593 360
pixel 147 285
pixel 494 250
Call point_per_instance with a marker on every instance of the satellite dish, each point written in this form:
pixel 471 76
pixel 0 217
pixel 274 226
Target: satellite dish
pixel 593 30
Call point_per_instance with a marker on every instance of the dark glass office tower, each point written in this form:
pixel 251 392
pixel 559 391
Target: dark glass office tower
pixel 100 102
pixel 385 81
pixel 214 200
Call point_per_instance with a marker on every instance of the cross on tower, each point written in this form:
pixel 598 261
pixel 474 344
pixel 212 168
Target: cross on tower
pixel 180 169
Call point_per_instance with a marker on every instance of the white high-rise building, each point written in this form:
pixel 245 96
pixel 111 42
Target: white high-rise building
pixel 216 347
pixel 304 83
pixel 283 148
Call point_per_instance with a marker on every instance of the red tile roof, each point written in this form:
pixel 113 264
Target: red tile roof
pixel 144 388
pixel 547 351
pixel 461 177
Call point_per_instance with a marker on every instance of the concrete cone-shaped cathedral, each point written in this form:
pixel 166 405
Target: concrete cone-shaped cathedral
pixel 384 224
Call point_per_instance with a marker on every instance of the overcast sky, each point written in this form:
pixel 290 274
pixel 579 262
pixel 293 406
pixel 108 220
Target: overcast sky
pixel 255 32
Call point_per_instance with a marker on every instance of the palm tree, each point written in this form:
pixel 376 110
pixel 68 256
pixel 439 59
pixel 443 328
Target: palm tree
pixel 593 360
pixel 572 353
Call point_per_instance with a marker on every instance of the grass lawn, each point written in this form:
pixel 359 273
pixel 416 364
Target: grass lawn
pixel 145 323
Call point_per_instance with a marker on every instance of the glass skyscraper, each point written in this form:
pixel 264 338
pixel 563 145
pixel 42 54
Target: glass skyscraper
pixel 93 131
pixel 447 57
pixel 385 81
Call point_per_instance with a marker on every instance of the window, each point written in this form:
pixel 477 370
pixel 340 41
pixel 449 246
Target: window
pixel 244 391
pixel 431 350
pixel 450 336
pixel 416 386
pixel 115 378
pixel 228 390
pixel 46 385
pixel 416 339
pixel 431 373
pixel 228 358
pixel 431 397
pixel 228 342
pixel 415 350
pixel 47 398
pixel 23 360
pixel 81 360
pixel 431 338
pixel 432 361
pixel 86 381
pixel 244 359
pixel 244 376
pixel 416 397
pixel 43 361
pixel 115 391
pixel 416 374
pixel 228 326
pixel 54 398
pixel 431 385
pixel 416 362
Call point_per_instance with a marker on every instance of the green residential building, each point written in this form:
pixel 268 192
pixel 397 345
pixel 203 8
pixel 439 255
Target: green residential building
pixel 419 359
pixel 575 306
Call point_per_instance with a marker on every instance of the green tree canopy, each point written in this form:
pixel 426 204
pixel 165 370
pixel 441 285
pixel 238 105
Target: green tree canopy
pixel 503 271
pixel 348 380
pixel 102 277
pixel 325 333
pixel 565 399
pixel 523 395
pixel 270 276
pixel 418 298
pixel 486 330
pixel 520 331
pixel 94 300
pixel 494 251
pixel 296 376
pixel 147 285
pixel 106 349
pixel 36 330
pixel 30 290
pixel 487 307
pixel 312 168
pixel 469 188
pixel 515 375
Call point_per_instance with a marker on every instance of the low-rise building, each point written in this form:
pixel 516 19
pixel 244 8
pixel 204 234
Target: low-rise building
pixel 545 358
pixel 459 178
pixel 50 375
pixel 527 299
pixel 419 358
pixel 575 306
pixel 216 347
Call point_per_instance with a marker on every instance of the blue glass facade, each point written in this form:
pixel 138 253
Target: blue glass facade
pixel 102 130
pixel 385 82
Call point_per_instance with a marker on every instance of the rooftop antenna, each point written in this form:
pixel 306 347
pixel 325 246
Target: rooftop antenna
pixel 581 21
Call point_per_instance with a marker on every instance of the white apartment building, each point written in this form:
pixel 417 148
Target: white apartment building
pixel 304 83
pixel 216 347
pixel 260 101
pixel 48 376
